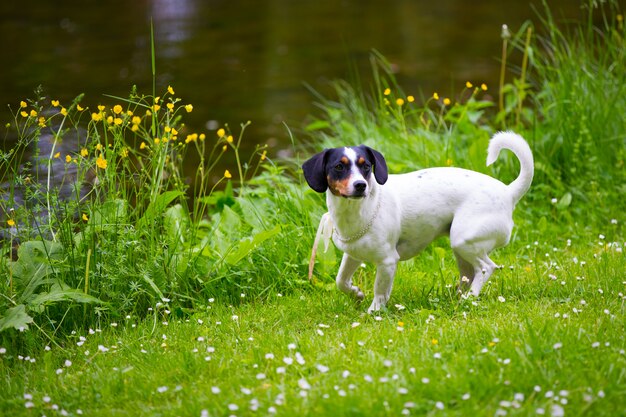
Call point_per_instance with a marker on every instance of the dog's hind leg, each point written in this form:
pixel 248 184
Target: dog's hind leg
pixel 344 277
pixel 466 272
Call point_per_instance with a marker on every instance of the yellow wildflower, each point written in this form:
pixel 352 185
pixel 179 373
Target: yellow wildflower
pixel 57 155
pixel 469 85
pixel 33 113
pixel 129 112
pixel 174 132
pixel 96 117
pixel 101 107
pixel 79 107
pixel 136 120
pixel 202 136
pixel 117 109
pixel 148 113
pixel 68 159
pixel 483 87
pixel 110 120
pixel 191 138
pixel 263 155
pixel 170 90
pixel 387 91
pixel 143 145
pixel 436 96
pixel 189 108
pixel 24 114
pixel 434 341
pixel 167 129
pixel 118 121
pixel 42 121
pixel 156 100
pixel 85 218
pixel 221 133
pixel 124 152
pixel 157 141
pixel 84 152
pixel 101 162
pixel 99 147
pixel 55 103
pixel 410 99
pixel 400 102
pixel 227 174
pixel 11 222
pixel 224 148
pixel 229 139
pixel 400 324
pixel 156 107
pixel 170 106
pixel 134 128
pixel 446 101
pixel 23 104
pixel 63 111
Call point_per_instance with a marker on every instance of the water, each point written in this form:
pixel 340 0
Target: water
pixel 248 60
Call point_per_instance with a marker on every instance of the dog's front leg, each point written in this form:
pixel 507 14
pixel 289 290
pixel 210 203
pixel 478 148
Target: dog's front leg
pixel 344 277
pixel 385 272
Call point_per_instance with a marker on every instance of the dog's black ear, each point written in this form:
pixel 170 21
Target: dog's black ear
pixel 315 171
pixel 380 165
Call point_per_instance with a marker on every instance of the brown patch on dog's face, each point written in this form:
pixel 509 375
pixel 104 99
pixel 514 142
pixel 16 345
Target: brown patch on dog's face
pixel 338 187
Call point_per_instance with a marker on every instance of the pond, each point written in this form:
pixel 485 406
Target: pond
pixel 250 59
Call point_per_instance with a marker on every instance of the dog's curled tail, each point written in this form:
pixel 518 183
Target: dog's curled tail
pixel 516 144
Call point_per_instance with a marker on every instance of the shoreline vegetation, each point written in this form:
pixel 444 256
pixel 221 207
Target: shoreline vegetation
pixel 129 289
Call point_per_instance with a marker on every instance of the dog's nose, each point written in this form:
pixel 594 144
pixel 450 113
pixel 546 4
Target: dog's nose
pixel 359 186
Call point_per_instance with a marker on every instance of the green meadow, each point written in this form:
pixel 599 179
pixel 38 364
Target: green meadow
pixel 129 289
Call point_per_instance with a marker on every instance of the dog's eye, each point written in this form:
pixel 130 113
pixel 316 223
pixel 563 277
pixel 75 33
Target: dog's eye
pixel 339 167
pixel 366 168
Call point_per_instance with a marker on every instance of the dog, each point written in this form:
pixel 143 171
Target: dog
pixel 384 219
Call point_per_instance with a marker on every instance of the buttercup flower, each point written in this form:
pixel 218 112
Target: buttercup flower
pixel 11 222
pixel 400 102
pixel 483 87
pixel 189 108
pixel 436 96
pixel 170 90
pixel 55 103
pixel 84 152
pixel 117 109
pixel 23 104
pixel 68 159
pixel 101 162
pixel 387 91
pixel 468 84
pixel 446 101
pixel 227 174
pixel 221 133
pixel 410 99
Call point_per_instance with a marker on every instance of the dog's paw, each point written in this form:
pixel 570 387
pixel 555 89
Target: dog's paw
pixel 378 304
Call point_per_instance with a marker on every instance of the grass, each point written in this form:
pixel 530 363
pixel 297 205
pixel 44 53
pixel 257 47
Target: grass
pixel 122 296
pixel 546 335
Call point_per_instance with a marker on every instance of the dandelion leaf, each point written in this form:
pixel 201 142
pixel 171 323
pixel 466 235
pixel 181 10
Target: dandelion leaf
pixel 16 318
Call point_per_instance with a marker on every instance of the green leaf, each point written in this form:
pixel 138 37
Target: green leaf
pixel 16 318
pixel 34 265
pixel 176 222
pixel 157 207
pixel 60 292
pixel 564 202
pixel 248 244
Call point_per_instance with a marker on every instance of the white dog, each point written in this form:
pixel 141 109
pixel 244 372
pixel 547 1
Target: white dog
pixel 384 219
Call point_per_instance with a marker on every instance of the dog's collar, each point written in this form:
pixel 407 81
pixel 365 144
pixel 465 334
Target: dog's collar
pixel 362 232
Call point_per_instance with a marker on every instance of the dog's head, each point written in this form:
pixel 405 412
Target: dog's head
pixel 346 172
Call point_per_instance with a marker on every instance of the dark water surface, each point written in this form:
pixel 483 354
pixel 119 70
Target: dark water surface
pixel 249 59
